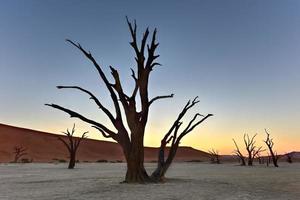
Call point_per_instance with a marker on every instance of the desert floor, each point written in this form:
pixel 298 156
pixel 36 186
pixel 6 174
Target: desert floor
pixel 186 181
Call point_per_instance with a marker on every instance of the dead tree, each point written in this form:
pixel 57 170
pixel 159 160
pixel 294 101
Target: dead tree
pixel 131 140
pixel 174 136
pixel 19 151
pixel 260 159
pixel 239 154
pixel 72 143
pixel 269 142
pixel 289 157
pixel 214 156
pixel 251 148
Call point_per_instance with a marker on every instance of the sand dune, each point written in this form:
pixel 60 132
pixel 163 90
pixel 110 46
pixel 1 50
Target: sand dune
pixel 44 147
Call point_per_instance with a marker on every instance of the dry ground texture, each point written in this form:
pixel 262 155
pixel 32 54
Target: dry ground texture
pixel 188 181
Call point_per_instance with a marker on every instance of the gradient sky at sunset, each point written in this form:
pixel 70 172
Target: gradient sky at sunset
pixel 240 57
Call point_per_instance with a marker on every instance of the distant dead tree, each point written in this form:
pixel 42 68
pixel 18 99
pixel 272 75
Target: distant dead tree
pixel 239 154
pixel 289 157
pixel 260 158
pixel 72 145
pixel 131 109
pixel 19 151
pixel 214 156
pixel 251 148
pixel 269 142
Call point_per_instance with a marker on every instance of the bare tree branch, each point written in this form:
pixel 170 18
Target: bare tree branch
pixel 103 77
pixel 77 115
pixel 93 97
pixel 78 141
pixel 107 135
pixel 65 143
pixel 160 97
pixel 214 156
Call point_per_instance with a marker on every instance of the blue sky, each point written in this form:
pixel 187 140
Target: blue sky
pixel 240 57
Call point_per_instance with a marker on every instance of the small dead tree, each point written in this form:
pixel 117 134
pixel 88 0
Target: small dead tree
pixel 269 142
pixel 239 154
pixel 251 148
pixel 289 157
pixel 19 151
pixel 214 156
pixel 72 145
pixel 260 158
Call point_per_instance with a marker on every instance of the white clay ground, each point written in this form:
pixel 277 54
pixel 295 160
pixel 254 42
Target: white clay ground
pixel 191 181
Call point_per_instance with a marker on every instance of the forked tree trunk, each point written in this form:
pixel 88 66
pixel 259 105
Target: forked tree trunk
pixel 174 137
pixel 162 166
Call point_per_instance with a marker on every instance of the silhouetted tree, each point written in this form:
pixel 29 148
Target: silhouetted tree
pixel 269 142
pixel 239 154
pixel 214 156
pixel 260 158
pixel 72 143
pixel 19 151
pixel 251 148
pixel 289 157
pixel 132 140
pixel 174 136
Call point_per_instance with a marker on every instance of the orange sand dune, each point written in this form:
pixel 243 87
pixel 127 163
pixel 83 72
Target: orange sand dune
pixel 45 147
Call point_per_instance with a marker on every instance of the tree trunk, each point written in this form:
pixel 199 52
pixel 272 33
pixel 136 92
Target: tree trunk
pixel 159 174
pixel 274 159
pixel 243 161
pixel 72 161
pixel 250 162
pixel 136 172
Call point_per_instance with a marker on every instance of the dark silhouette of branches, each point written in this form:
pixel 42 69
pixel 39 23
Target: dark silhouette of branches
pixel 19 151
pixel 238 153
pixel 289 157
pixel 72 143
pixel 251 148
pixel 174 136
pixel 260 158
pixel 214 156
pixel 269 142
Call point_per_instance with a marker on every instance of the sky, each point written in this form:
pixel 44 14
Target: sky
pixel 240 57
